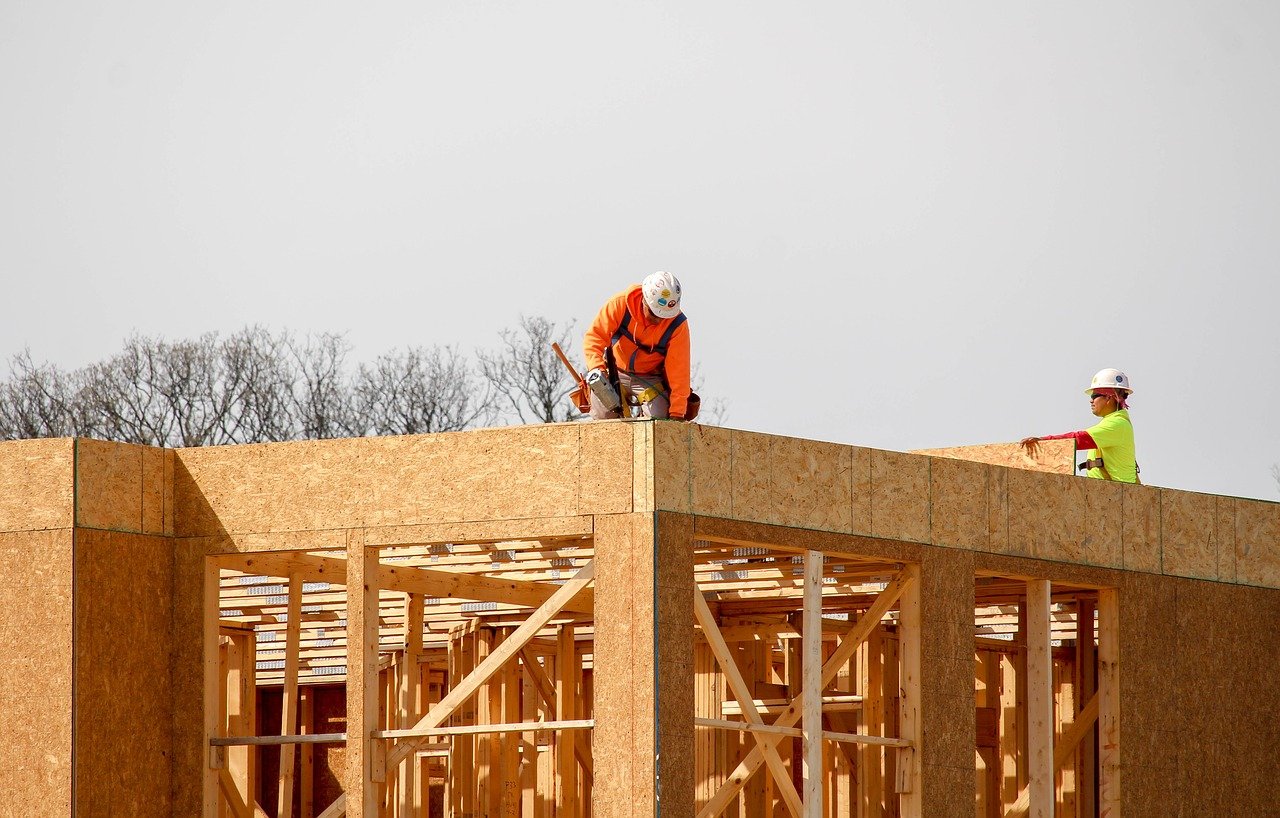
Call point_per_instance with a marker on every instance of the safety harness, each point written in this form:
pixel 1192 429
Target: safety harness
pixel 660 348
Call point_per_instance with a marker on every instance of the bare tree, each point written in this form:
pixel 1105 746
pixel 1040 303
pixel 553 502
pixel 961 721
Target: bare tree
pixel 526 375
pixel 418 391
pixel 37 401
pixel 322 397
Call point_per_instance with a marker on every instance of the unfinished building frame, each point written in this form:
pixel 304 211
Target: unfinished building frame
pixel 626 619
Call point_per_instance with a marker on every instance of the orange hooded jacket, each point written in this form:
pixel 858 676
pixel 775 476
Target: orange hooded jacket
pixel 631 358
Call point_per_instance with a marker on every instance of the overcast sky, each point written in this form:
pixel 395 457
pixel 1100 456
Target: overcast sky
pixel 900 225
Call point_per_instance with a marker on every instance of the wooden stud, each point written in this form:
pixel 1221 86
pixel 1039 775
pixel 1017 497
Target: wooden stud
pixel 566 696
pixel 745 699
pixel 306 726
pixel 1039 700
pixel 409 701
pixel 289 697
pixel 812 687
pixel 907 578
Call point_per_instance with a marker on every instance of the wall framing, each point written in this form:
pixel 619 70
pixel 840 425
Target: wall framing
pixel 113 560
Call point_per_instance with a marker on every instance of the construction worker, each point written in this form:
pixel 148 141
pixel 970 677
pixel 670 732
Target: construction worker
pixel 1110 441
pixel 639 343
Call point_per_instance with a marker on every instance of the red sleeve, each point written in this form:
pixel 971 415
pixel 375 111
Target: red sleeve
pixel 1083 439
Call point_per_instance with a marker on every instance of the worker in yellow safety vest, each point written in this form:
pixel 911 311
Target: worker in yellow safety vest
pixel 1109 441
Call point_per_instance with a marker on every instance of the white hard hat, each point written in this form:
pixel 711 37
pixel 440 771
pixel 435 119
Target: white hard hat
pixel 662 294
pixel 1110 379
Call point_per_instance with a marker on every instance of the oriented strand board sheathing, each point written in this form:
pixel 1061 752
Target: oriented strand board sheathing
pixel 605 468
pixel 1226 752
pixel 749 475
pixel 527 471
pixel 108 485
pixel 900 496
pixel 39 560
pixel 711 452
pixel 1055 456
pixel 1047 514
pixel 641 464
pixel 1100 538
pixel 860 488
pixel 187 677
pixel 623 738
pixel 959 503
pixel 1224 535
pixel 673 465
pixel 1188 537
pixel 35 663
pixel 1140 528
pixel 37 484
pixel 811 484
pixel 673 613
pixel 157 491
pixel 1258 543
pixel 123 696
pixel 35 754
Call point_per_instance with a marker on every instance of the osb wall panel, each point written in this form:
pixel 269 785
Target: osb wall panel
pixel 947 713
pixel 1257 548
pixel 521 472
pixel 624 736
pixel 1140 528
pixel 900 496
pixel 187 678
pixel 1227 692
pixel 37 484
pixel 1188 534
pixel 1054 456
pixel 124 588
pixel 124 487
pixel 35 664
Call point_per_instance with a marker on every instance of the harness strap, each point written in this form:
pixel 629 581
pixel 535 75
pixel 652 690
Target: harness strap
pixel 660 348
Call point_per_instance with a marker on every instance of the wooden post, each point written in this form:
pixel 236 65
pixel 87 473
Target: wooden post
pixel 566 699
pixel 306 726
pixel 812 672
pixel 910 650
pixel 409 700
pixel 361 793
pixel 289 697
pixel 1108 704
pixel 1039 699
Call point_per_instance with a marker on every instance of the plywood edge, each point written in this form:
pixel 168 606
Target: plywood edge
pixel 1054 456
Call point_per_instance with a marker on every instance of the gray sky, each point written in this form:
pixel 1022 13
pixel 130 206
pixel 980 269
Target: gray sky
pixel 900 225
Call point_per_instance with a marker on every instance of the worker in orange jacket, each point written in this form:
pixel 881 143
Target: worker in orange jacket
pixel 646 335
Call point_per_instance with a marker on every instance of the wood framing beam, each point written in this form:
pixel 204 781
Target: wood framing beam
pixel 907 578
pixel 289 697
pixel 409 699
pixel 429 582
pixel 830 735
pixel 738 685
pixel 812 687
pixel 467 686
pixel 1039 700
pixel 1061 753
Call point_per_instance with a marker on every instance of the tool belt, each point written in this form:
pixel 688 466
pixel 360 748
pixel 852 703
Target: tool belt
pixel 1095 463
